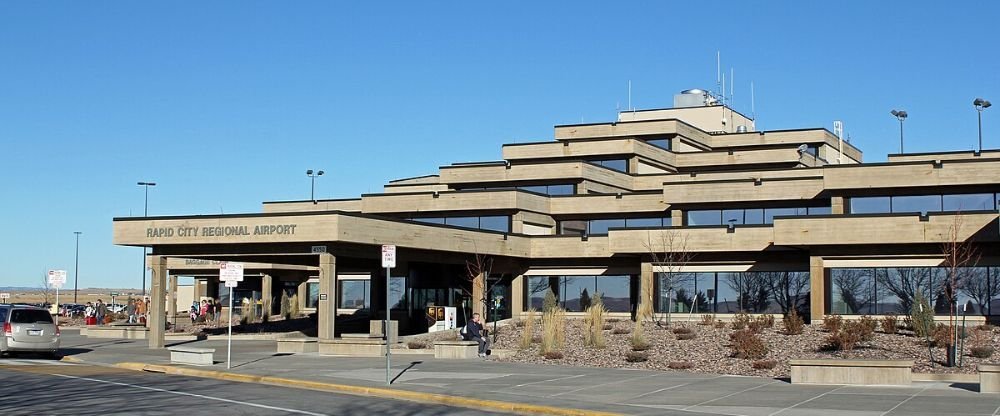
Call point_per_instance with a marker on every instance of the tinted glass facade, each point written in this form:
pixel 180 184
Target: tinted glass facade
pixel 923 203
pixel 574 293
pixel 725 292
pixel 893 290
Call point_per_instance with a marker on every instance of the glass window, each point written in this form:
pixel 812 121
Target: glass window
pixel 467 222
pixel 576 291
pixel 30 316
pixel 646 222
pixel 728 293
pixel 917 203
pixel 573 227
pixel 753 216
pixel 430 220
pixel 538 189
pixel 661 143
pixel 568 189
pixel 870 205
pixel 354 294
pixel 704 217
pixel 600 227
pixel 615 293
pixel 770 213
pixel 969 202
pixel 820 211
pixel 538 286
pixel 495 223
pixel 397 292
pixel 853 291
pixel 312 295
pixel 732 216
pixel 620 165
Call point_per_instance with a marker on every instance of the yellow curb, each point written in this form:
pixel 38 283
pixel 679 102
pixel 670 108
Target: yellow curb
pixel 457 401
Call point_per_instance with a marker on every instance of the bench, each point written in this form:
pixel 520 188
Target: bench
pixel 191 355
pixel 297 345
pixel 354 347
pixel 989 378
pixel 123 332
pixel 456 349
pixel 852 372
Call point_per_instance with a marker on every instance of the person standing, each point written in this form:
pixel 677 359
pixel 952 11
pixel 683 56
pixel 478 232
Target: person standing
pixel 89 313
pixel 101 312
pixel 140 311
pixel 130 311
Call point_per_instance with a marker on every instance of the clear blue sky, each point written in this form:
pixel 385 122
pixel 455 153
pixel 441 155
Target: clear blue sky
pixel 226 104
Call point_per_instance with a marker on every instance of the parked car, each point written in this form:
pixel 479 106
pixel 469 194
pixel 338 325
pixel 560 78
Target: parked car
pixel 28 329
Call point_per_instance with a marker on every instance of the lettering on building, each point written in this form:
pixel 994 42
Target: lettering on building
pixel 220 231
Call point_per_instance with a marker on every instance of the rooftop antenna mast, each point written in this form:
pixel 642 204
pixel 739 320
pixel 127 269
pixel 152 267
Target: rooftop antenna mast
pixel 732 87
pixel 630 96
pixel 718 72
pixel 753 111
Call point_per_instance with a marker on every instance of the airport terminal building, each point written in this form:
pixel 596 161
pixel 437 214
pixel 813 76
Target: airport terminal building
pixel 688 209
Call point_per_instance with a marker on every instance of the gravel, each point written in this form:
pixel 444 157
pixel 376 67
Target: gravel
pixel 710 352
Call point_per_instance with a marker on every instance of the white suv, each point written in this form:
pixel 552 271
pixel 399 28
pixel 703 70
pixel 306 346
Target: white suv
pixel 28 329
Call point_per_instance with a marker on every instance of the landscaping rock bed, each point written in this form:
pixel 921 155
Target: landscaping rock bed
pixel 709 350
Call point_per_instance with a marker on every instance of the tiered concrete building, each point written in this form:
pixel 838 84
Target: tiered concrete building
pixel 690 208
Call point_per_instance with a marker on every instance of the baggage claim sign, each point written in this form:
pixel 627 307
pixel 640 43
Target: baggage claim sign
pixel 221 231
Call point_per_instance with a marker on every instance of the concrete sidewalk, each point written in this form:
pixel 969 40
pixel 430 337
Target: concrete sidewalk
pixel 623 391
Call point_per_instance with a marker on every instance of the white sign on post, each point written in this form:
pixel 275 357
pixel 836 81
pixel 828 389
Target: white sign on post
pixel 4 296
pixel 230 272
pixel 389 256
pixel 57 278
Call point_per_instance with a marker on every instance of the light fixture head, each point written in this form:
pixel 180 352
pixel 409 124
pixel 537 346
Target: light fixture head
pixel 309 172
pixel 320 173
pixel 981 103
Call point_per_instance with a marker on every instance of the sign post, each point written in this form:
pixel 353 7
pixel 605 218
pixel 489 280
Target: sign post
pixel 232 274
pixel 57 278
pixel 4 296
pixel 388 261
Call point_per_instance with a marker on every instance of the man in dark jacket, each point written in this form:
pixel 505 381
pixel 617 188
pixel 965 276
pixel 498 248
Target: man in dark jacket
pixel 476 333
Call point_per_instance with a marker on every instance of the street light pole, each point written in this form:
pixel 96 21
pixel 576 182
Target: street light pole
pixel 145 213
pixel 981 105
pixel 900 115
pixel 312 188
pixel 76 271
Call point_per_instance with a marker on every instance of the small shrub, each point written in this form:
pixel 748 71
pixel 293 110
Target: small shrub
pixel 868 326
pixel 285 305
pixel 682 330
pixel 293 306
pixel 553 330
pixel 758 324
pixel 553 355
pixel 680 365
pixel 686 337
pixel 832 323
pixel 519 323
pixel 550 302
pixel 943 335
pixel 740 321
pixel 747 345
pixel 416 345
pixel 719 324
pixel 528 331
pixel 636 356
pixel 981 352
pixel 794 325
pixel 613 320
pixel 890 324
pixel 707 320
pixel 921 316
pixel 763 364
pixel 620 331
pixel 768 320
pixel 986 327
pixel 639 342
pixel 848 336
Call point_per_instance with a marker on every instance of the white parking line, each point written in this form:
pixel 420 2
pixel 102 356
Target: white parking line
pixel 181 393
pixel 729 395
pixel 9 361
pixel 806 401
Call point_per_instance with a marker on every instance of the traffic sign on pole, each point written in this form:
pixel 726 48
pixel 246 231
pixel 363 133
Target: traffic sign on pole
pixel 4 296
pixel 57 278
pixel 388 256
pixel 230 272
pixel 389 262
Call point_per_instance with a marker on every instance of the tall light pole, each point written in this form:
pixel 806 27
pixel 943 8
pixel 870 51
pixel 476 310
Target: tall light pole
pixel 312 189
pixel 981 105
pixel 900 115
pixel 76 272
pixel 145 213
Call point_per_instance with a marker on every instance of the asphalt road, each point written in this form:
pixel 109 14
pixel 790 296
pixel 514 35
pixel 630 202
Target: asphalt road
pixel 30 386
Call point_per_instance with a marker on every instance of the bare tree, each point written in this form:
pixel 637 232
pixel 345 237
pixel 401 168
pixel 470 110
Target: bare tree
pixel 48 293
pixel 753 289
pixel 670 254
pixel 958 255
pixel 477 272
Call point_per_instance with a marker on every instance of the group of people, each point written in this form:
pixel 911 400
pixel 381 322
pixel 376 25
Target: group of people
pixel 97 313
pixel 207 310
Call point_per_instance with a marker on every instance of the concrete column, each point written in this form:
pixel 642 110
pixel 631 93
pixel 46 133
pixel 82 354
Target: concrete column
pixel 265 293
pixel 478 284
pixel 172 298
pixel 817 289
pixel 837 205
pixel 646 286
pixel 157 298
pixel 676 218
pixel 517 296
pixel 327 309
